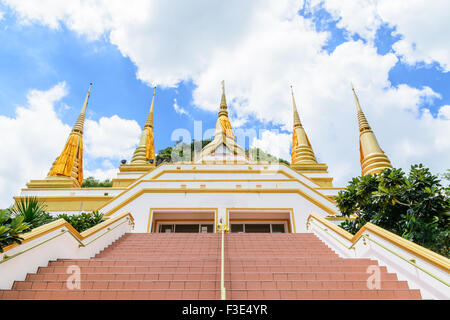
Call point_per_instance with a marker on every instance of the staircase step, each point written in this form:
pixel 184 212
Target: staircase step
pixel 188 266
pixel 208 284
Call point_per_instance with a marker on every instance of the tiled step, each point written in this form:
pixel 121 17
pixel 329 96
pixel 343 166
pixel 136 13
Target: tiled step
pixel 126 276
pixel 306 294
pixel 176 269
pixel 188 266
pixel 209 284
pixel 130 294
pixel 236 276
pixel 175 294
pixel 212 262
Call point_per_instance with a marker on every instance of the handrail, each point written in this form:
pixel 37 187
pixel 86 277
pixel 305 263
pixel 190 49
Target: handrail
pixel 426 254
pixel 360 235
pixel 222 228
pixel 40 231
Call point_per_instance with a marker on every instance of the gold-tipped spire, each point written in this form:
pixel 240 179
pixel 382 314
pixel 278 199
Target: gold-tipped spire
pixel 223 120
pixel 145 150
pixel 302 152
pixel 70 163
pixel 296 117
pixel 79 124
pixel 223 147
pixel 372 157
pixel 223 102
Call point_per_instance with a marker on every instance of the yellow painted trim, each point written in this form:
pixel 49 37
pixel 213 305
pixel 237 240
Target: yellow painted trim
pixel 153 179
pixel 72 189
pixel 67 198
pixel 338 218
pixel 413 248
pixel 49 227
pixel 218 180
pixel 301 193
pixel 150 223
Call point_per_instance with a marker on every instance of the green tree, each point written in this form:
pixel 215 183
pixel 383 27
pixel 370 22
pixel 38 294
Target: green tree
pixel 414 206
pixel 258 155
pixel 91 182
pixel 165 155
pixel 446 175
pixel 32 210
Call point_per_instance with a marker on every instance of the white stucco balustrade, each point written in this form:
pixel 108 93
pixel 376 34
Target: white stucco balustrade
pixel 58 241
pixel 423 269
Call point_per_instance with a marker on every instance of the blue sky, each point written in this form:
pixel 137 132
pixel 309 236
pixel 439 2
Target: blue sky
pixel 400 74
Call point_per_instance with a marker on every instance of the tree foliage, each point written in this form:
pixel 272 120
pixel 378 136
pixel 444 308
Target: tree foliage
pixel 91 182
pixel 256 154
pixel 414 206
pixel 186 152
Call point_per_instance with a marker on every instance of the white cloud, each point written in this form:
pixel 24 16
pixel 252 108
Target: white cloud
pixel 262 47
pixel 112 137
pixel 275 143
pixel 179 109
pixel 31 141
pixel 423 25
pixel 359 17
pixel 106 171
pixel 444 112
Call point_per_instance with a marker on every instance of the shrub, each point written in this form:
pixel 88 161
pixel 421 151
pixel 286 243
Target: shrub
pixel 82 221
pixel 11 228
pixel 415 207
pixel 32 210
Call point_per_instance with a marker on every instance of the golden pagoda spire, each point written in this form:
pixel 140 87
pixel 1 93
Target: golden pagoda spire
pixel 223 120
pixel 70 163
pixel 372 158
pixel 145 151
pixel 223 137
pixel 302 152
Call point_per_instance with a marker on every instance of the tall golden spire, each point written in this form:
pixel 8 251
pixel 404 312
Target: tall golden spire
pixel 372 158
pixel 223 115
pixel 145 151
pixel 70 163
pixel 302 152
pixel 223 137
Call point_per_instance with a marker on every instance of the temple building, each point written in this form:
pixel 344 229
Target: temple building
pixel 278 228
pixel 221 182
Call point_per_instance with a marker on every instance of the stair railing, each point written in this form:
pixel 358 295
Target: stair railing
pixel 363 236
pixel 222 228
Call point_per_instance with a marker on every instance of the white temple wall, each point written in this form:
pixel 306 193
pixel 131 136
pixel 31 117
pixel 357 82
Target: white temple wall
pixel 140 207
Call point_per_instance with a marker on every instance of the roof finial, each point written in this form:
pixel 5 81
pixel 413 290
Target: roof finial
pixel 296 116
pixel 149 122
pixel 302 152
pixel 223 102
pixel 79 124
pixel 372 157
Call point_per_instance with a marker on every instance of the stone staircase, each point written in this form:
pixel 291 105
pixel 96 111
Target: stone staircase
pixel 187 266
